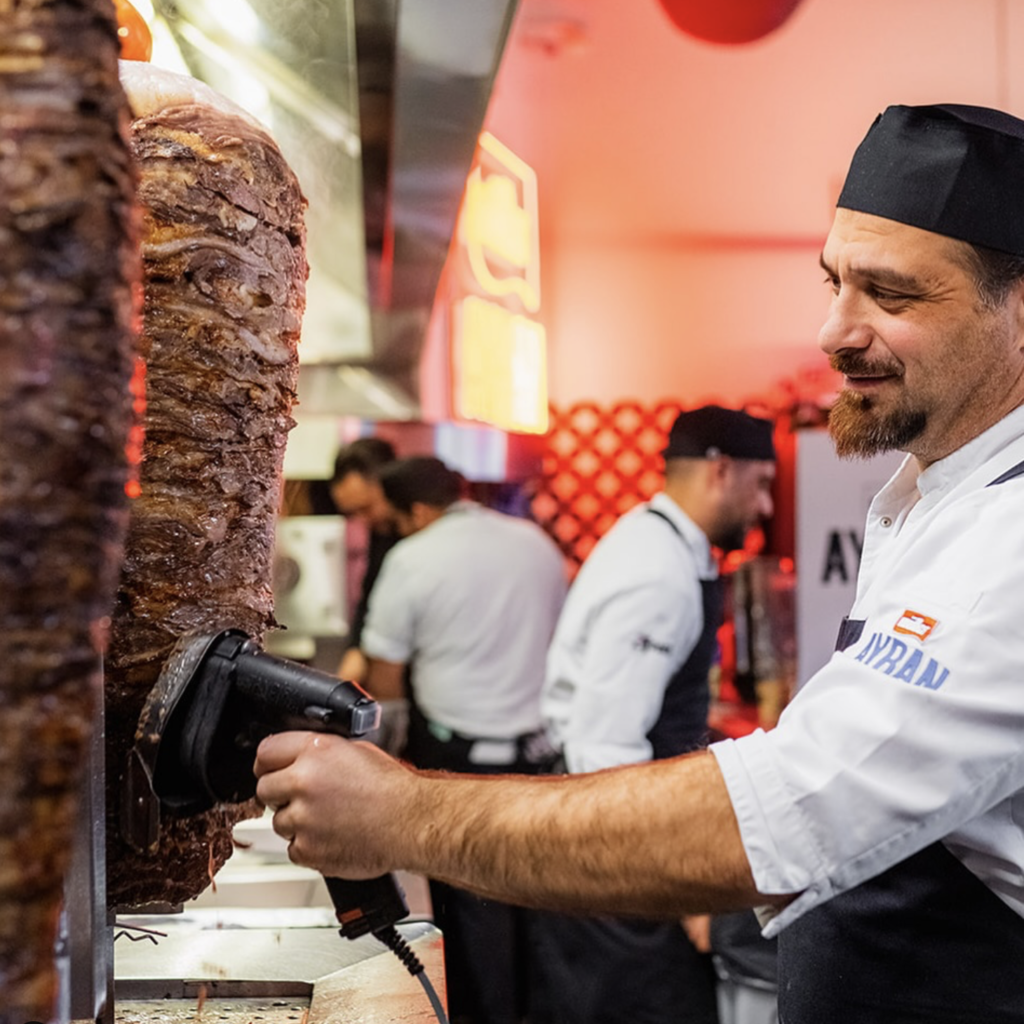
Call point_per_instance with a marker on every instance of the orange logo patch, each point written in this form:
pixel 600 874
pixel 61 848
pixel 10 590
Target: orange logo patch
pixel 915 624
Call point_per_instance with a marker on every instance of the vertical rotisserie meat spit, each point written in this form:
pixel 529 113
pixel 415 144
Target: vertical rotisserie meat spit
pixel 68 274
pixel 224 266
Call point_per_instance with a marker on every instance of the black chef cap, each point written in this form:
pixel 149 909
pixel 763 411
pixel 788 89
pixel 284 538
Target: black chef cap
pixel 711 431
pixel 952 169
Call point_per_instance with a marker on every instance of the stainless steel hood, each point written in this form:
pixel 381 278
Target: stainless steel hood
pixel 377 105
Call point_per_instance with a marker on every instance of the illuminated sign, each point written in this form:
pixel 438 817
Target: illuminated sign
pixel 501 366
pixel 498 226
pixel 499 353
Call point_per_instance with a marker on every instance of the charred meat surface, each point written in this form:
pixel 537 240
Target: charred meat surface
pixel 68 273
pixel 224 283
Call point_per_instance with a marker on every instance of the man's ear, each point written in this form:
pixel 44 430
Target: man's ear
pixel 1017 297
pixel 720 468
pixel 421 514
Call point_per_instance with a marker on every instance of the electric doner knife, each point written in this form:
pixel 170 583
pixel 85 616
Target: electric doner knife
pixel 216 698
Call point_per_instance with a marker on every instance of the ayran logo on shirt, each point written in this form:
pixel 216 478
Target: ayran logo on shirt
pixel 915 624
pixel 902 661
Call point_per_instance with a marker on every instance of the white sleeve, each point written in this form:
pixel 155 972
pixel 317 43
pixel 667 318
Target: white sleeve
pixel 898 741
pixel 636 640
pixel 389 633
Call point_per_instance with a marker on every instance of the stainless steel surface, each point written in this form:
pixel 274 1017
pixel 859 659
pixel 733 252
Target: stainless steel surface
pixel 271 969
pixel 266 930
pixel 377 105
pixel 264 919
pixel 293 66
pixel 445 57
pixel 191 951
pixel 85 959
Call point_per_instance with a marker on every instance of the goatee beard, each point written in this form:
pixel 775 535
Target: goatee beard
pixel 859 430
pixel 731 539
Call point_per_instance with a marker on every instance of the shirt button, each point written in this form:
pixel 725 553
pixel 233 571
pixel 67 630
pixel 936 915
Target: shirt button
pixel 885 522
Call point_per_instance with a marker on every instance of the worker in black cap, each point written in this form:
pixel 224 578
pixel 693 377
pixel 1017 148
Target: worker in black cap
pixel 879 824
pixel 627 681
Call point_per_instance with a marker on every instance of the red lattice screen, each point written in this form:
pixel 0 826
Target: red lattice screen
pixel 599 463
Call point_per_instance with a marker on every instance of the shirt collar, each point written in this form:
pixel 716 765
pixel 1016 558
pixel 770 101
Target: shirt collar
pixel 462 505
pixel 694 536
pixel 942 476
pixel 957 466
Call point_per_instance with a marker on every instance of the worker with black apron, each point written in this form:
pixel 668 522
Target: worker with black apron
pixel 627 681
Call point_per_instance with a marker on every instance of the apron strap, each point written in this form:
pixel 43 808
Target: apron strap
pixel 1010 474
pixel 661 515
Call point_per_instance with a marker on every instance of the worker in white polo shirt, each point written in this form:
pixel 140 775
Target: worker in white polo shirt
pixel 468 599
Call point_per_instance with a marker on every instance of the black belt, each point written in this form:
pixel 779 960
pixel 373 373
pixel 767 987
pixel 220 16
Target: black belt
pixel 530 748
pixel 479 749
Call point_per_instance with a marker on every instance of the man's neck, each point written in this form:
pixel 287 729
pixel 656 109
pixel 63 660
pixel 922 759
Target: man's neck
pixel 683 498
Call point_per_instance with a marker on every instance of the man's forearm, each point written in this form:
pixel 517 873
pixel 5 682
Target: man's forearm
pixel 656 840
pixel 659 839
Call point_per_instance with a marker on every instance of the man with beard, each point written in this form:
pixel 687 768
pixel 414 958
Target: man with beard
pixel 627 681
pixel 881 819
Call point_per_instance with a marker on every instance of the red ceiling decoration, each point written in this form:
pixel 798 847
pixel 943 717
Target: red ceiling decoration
pixel 728 21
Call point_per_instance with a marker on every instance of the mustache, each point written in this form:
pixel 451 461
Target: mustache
pixel 853 364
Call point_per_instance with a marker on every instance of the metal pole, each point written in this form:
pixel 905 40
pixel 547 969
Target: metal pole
pixel 86 942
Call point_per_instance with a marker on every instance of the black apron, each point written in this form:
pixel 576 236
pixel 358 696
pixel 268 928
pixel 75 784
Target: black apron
pixel 925 942
pixel 682 725
pixel 624 970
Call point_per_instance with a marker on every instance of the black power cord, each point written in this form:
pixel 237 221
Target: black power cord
pixel 390 937
pixel 372 907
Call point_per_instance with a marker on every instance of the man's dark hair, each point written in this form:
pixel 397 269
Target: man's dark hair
pixel 419 479
pixel 365 456
pixel 994 273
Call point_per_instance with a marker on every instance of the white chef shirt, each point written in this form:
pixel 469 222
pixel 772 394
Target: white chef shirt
pixel 471 602
pixel 914 733
pixel 632 617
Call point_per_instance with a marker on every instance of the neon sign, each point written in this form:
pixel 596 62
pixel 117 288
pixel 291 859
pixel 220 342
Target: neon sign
pixel 499 350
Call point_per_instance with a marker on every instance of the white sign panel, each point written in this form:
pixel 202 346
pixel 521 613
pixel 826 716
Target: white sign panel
pixel 309 576
pixel 832 499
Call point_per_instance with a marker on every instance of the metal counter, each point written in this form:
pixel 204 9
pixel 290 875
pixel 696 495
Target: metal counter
pixel 267 967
